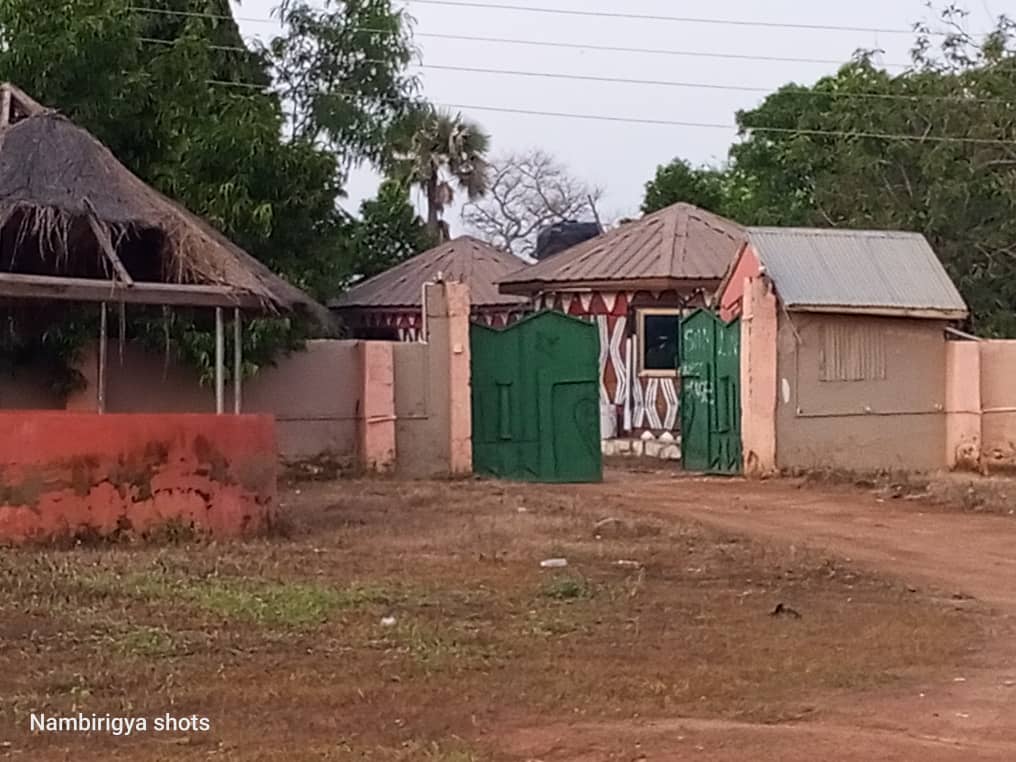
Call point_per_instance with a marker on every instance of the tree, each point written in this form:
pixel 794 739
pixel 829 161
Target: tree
pixel 389 231
pixel 341 72
pixel 175 93
pixel 679 181
pixel 528 192
pixel 931 150
pixel 442 153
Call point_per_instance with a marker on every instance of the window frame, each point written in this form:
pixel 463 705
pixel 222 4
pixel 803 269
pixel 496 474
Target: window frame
pixel 640 335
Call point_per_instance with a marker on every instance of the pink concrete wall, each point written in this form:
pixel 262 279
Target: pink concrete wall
pixel 432 389
pixel 314 394
pixel 377 404
pixel 893 423
pixel 998 402
pixel 66 474
pixel 377 432
pixel 448 313
pixel 963 404
pixel 759 331
pixel 746 268
pixel 316 398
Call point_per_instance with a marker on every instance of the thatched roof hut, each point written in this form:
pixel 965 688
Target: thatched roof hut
pixel 76 224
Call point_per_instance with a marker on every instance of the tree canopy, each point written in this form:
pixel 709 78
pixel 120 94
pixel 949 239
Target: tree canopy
pixel 932 149
pixel 255 140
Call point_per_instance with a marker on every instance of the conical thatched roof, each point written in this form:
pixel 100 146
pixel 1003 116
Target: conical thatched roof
pixel 57 181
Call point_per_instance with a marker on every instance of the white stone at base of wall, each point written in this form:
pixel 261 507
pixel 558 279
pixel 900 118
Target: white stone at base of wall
pixel 643 448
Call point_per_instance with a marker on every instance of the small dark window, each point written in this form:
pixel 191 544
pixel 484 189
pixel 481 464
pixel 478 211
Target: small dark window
pixel 659 341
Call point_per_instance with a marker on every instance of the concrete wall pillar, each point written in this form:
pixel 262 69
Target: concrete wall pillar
pixel 447 309
pixel 963 404
pixel 759 331
pixel 377 413
pixel 998 403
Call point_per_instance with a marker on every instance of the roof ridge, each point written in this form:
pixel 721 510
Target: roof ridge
pixel 675 228
pixel 803 230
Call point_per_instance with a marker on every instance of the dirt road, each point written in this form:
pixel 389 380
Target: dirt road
pixel 967 560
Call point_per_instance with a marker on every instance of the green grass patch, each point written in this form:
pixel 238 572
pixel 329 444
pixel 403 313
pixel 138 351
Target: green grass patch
pixel 567 588
pixel 262 602
pixel 436 648
pixel 148 642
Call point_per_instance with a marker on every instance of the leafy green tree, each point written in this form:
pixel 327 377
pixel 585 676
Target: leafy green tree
pixel 341 71
pixel 389 231
pixel 256 141
pixel 931 150
pixel 679 181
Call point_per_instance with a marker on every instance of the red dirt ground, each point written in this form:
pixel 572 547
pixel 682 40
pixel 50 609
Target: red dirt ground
pixel 904 651
pixel 967 559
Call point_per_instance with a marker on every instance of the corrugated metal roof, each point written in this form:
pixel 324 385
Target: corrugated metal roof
pixel 679 243
pixel 887 272
pixel 465 259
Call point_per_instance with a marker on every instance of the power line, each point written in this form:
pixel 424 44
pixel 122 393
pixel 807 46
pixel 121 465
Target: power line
pixel 583 46
pixel 718 86
pixel 699 125
pixel 570 12
pixel 677 19
pixel 202 15
pixel 668 83
pixel 647 51
pixel 532 43
pixel 750 128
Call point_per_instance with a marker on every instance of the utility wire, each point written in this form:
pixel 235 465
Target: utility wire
pixel 718 86
pixel 644 51
pixel 665 83
pixel 602 48
pixel 886 136
pixel 678 19
pixel 202 15
pixel 534 43
pixel 627 120
pixel 749 128
pixel 569 12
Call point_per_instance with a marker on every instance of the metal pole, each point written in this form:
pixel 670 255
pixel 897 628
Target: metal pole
pixel 220 362
pixel 237 362
pixel 103 326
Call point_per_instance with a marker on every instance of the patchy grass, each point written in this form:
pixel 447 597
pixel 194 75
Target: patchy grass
pixel 567 588
pixel 261 602
pixel 652 617
pixel 148 642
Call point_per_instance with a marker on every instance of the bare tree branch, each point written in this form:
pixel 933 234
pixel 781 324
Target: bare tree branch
pixel 528 192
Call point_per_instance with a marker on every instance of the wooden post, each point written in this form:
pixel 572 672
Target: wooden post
pixel 103 330
pixel 237 362
pixel 5 106
pixel 220 362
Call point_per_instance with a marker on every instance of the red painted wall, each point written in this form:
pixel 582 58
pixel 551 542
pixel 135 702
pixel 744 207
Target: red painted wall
pixel 66 474
pixel 747 266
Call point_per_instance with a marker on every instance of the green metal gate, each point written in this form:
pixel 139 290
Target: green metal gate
pixel 536 400
pixel 710 394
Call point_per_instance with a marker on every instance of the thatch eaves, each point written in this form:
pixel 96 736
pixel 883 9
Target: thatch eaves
pixel 66 200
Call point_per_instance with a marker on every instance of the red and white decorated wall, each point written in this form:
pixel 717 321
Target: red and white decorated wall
pixel 408 325
pixel 629 404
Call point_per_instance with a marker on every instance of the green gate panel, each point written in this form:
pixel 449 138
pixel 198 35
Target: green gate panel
pixel 535 391
pixel 710 394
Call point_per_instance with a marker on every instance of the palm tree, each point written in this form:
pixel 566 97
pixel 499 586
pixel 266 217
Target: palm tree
pixel 442 153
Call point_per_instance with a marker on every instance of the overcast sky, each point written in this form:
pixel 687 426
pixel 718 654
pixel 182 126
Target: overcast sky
pixel 621 157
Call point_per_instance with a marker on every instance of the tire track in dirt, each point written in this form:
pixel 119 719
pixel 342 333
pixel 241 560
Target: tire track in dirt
pixel 964 559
